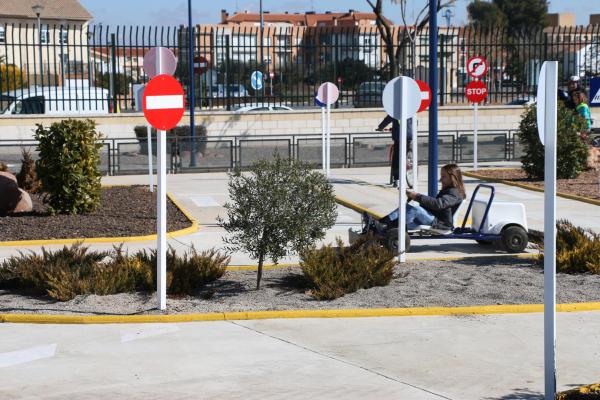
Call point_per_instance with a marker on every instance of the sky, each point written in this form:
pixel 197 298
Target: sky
pixel 174 12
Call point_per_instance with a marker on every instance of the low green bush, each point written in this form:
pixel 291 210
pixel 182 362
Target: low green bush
pixel 68 165
pixel 333 272
pixel 577 249
pixel 587 392
pixel 76 270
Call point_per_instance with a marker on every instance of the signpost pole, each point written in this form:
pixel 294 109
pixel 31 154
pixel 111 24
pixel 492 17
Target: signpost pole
pixel 192 89
pixel 548 78
pixel 161 246
pixel 149 139
pixel 323 133
pixel 402 185
pixel 328 154
pixel 415 166
pixel 475 107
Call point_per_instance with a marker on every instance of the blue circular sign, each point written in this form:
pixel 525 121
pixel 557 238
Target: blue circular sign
pixel 256 80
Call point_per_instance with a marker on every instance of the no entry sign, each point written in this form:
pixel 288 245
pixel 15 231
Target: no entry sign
pixel 425 95
pixel 476 91
pixel 163 102
pixel 477 66
pixel 201 65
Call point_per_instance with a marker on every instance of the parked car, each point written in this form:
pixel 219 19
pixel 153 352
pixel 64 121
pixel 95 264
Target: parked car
pixel 55 100
pixel 369 94
pixel 525 101
pixel 218 91
pixel 261 107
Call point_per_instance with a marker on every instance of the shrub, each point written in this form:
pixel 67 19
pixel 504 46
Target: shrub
pixel 68 165
pixel 27 177
pixel 76 270
pixel 587 392
pixel 571 151
pixel 279 207
pixel 334 272
pixel 188 273
pixel 3 167
pixel 577 249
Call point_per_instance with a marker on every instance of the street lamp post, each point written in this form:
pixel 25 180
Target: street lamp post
pixel 192 88
pixel 37 10
pixel 262 24
pixel 433 107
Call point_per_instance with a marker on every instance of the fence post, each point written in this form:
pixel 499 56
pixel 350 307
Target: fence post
pixel 442 71
pixel 227 93
pixel 112 73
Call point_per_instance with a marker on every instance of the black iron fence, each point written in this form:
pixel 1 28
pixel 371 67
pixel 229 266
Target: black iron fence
pixel 130 156
pixel 97 68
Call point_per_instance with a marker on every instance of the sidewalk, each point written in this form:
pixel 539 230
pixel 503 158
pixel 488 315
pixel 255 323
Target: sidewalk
pixel 413 358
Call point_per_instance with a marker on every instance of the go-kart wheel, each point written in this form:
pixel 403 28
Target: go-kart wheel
pixel 485 242
pixel 391 240
pixel 514 239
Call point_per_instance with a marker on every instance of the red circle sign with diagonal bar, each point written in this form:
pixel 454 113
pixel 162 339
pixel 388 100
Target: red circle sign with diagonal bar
pixel 476 91
pixel 425 95
pixel 477 66
pixel 163 102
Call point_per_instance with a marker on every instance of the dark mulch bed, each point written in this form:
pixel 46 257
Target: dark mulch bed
pixel 585 185
pixel 123 211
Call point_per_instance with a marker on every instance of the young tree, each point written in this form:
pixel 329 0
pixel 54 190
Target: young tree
pixel 516 15
pixel 483 13
pixel 277 208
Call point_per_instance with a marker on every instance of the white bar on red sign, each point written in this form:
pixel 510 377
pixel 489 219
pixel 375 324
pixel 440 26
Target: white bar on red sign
pixel 164 102
pixel 424 95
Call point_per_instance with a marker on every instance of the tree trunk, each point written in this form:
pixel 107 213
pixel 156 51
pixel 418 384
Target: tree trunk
pixel 259 274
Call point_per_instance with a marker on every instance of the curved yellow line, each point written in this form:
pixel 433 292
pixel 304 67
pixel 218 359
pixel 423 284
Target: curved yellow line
pixel 531 187
pixel 254 315
pixel 185 231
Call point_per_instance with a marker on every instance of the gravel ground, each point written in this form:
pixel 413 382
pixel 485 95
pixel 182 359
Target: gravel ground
pixel 587 184
pixel 417 284
pixel 123 211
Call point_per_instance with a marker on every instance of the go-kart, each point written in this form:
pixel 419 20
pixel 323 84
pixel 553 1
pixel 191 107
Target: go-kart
pixel 503 224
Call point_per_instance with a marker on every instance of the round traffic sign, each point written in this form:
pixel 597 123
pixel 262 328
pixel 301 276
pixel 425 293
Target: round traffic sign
pixel 317 102
pixel 201 65
pixel 477 66
pixel 476 91
pixel 425 95
pixel 168 62
pixel 401 98
pixel 327 93
pixel 256 80
pixel 163 102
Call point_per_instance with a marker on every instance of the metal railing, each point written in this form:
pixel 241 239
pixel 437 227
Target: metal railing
pixel 130 156
pixel 101 66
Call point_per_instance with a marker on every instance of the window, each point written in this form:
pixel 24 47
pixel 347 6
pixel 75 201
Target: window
pixel 2 35
pixel 64 37
pixel 44 35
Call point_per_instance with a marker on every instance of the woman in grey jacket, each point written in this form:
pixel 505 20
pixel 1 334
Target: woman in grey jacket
pixel 436 211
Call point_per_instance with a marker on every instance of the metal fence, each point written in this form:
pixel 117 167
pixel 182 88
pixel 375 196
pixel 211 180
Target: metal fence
pixel 99 69
pixel 130 156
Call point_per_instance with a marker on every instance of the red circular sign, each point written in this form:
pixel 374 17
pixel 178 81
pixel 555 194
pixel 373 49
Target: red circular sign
pixel 163 102
pixel 425 95
pixel 201 65
pixel 477 66
pixel 476 91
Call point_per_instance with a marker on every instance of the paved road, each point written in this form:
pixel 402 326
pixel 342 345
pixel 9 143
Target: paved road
pixel 462 358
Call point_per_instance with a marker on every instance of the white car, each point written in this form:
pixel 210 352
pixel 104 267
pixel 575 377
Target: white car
pixel 261 107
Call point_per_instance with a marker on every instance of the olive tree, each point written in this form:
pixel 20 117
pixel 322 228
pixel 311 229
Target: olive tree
pixel 277 208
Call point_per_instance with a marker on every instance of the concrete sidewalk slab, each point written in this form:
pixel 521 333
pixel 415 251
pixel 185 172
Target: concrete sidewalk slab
pixel 463 358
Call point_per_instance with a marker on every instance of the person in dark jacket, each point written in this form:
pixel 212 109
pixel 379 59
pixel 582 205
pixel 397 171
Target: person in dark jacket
pixel 395 137
pixel 436 211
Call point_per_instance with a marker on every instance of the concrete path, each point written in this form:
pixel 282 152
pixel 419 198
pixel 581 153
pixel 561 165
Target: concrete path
pixel 203 195
pixel 462 358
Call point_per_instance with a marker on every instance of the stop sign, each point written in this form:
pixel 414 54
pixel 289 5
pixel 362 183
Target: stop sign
pixel 163 102
pixel 425 95
pixel 476 91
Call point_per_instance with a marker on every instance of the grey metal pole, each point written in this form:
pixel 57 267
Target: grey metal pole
pixel 262 56
pixel 192 89
pixel 433 108
pixel 39 26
